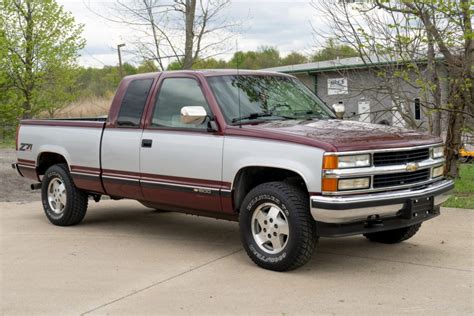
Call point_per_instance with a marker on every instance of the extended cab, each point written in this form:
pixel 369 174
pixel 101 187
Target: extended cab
pixel 254 147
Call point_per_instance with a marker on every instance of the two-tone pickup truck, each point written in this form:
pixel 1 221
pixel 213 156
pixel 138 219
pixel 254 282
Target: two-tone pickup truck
pixel 253 147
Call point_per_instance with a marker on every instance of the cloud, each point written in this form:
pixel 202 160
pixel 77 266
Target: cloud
pixel 282 24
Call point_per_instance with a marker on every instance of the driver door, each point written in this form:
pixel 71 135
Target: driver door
pixel 180 164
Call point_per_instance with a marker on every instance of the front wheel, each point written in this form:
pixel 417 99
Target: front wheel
pixel 63 203
pixel 276 228
pixel 394 236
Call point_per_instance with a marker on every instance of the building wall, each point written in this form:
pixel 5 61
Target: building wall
pixel 308 80
pixel 367 85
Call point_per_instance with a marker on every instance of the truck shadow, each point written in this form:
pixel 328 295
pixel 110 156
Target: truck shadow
pixel 332 254
pixel 139 221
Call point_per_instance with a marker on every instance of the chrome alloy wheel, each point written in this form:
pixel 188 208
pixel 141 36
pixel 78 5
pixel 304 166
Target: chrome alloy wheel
pixel 57 195
pixel 270 228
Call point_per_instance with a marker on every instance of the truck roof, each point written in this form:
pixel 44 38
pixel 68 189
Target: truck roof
pixel 213 72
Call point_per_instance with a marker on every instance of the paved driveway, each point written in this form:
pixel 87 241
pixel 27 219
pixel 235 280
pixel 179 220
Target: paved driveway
pixel 126 259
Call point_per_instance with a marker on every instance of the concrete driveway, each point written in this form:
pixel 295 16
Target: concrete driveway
pixel 126 259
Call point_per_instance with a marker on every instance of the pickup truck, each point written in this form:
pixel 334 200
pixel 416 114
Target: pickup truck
pixel 249 146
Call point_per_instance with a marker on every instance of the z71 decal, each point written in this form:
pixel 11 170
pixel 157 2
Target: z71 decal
pixel 25 147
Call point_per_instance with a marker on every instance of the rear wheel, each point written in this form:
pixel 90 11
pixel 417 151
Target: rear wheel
pixel 63 203
pixel 395 235
pixel 276 228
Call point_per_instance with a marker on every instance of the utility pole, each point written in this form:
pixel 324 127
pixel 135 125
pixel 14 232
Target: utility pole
pixel 120 59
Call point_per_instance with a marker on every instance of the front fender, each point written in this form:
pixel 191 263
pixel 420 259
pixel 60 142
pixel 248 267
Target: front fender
pixel 242 152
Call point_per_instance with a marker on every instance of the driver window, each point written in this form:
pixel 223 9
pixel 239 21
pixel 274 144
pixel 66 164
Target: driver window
pixel 174 94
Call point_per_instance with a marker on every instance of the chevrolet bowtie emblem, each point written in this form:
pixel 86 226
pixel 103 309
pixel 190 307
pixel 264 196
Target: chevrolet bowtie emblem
pixel 412 166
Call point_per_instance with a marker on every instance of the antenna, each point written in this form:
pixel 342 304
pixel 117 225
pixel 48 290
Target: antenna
pixel 238 78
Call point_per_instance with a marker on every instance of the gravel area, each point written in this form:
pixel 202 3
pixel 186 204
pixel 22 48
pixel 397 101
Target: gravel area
pixel 14 188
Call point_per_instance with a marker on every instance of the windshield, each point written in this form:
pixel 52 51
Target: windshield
pixel 266 98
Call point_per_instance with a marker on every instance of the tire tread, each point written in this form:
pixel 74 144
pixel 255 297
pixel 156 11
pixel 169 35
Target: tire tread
pixel 77 200
pixel 300 209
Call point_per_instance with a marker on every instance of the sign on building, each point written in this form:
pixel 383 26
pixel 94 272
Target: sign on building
pixel 337 86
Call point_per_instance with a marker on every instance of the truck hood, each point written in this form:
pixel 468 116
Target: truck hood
pixel 341 135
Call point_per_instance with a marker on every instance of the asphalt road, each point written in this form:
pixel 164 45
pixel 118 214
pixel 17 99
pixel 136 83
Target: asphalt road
pixel 125 259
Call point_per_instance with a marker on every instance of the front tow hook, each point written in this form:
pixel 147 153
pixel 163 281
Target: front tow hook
pixel 373 221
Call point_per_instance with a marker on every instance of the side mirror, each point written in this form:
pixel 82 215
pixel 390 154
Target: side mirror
pixel 340 109
pixel 193 115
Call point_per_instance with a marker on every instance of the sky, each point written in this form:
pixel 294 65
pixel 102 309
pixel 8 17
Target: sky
pixel 285 25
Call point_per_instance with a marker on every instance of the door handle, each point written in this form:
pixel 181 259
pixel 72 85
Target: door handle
pixel 146 143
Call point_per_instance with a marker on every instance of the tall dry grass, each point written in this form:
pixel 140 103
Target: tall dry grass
pixel 89 107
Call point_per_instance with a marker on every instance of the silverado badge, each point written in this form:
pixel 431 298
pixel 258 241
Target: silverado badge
pixel 412 166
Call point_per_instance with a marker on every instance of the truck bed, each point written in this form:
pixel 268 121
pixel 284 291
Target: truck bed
pixel 78 140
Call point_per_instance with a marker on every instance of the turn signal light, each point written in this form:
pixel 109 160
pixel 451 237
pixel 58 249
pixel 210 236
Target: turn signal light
pixel 330 162
pixel 329 184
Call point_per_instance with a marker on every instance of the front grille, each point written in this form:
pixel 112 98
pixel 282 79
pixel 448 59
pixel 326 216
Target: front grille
pixel 400 157
pixel 402 178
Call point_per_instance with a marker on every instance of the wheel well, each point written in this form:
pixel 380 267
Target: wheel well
pixel 48 159
pixel 249 177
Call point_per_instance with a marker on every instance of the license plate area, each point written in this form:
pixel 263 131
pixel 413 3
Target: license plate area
pixel 418 207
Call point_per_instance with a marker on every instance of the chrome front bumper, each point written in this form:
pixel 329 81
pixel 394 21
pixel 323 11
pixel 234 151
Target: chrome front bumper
pixel 353 208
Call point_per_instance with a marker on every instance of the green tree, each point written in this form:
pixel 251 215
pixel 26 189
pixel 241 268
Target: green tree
pixel 147 66
pixel 333 50
pixel 267 57
pixel 208 63
pixel 243 60
pixel 9 111
pixel 42 42
pixel 129 69
pixel 264 57
pixel 294 58
pixel 101 82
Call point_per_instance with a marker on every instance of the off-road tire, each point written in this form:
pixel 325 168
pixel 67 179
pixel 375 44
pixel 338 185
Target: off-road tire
pixel 76 200
pixel 302 237
pixel 394 236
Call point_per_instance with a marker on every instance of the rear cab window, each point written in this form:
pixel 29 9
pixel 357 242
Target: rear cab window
pixel 133 103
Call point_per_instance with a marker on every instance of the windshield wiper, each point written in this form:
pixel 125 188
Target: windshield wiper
pixel 252 116
pixel 307 114
pixel 304 112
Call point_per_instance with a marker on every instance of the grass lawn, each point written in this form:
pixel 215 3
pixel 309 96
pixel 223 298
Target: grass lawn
pixel 464 190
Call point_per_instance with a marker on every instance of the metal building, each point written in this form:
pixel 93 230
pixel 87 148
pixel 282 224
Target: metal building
pixel 383 91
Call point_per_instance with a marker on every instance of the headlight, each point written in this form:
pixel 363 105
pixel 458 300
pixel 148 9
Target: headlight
pixel 438 171
pixel 352 184
pixel 437 152
pixel 353 161
pixel 348 161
